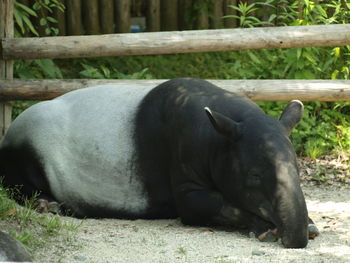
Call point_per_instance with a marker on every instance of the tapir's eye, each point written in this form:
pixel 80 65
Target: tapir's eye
pixel 254 179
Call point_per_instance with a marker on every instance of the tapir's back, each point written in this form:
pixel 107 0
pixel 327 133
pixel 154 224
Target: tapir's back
pixel 84 143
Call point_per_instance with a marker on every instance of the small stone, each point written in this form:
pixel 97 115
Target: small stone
pixel 313 231
pixel 258 253
pixel 80 258
pixel 252 235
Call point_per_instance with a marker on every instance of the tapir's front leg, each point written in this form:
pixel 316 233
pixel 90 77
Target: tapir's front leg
pixel 198 206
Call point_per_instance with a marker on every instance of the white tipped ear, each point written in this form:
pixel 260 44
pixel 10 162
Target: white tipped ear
pixel 292 114
pixel 223 124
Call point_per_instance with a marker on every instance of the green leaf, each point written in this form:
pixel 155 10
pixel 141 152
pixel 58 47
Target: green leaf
pixel 18 18
pixel 336 51
pixel 51 19
pixel 36 6
pixel 26 9
pixel 43 21
pixel 321 11
pixel 253 57
pixel 30 26
pixel 105 71
pixel 309 57
pixel 308 74
pixel 49 68
pixel 299 52
pixel 234 7
pixel 231 16
pixel 55 31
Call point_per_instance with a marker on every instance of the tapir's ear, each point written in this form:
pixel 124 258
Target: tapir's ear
pixel 292 114
pixel 223 124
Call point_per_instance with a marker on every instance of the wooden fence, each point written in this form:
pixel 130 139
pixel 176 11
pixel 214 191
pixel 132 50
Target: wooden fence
pixel 88 17
pixel 160 43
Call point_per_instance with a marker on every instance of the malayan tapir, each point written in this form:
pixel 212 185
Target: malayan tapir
pixel 185 148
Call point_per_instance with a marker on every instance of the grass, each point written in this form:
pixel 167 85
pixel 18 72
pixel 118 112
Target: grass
pixel 33 230
pixel 182 251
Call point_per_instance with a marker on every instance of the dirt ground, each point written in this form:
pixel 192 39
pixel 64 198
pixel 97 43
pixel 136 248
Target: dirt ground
pixel 111 240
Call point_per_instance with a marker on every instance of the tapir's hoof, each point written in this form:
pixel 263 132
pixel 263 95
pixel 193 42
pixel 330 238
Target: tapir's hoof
pixel 313 231
pixel 269 236
pixel 44 206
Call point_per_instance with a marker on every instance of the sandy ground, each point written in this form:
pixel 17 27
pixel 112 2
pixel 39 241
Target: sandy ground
pixel 111 240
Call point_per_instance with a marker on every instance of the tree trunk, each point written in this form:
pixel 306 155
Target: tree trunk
pixel 74 19
pixel 153 15
pixel 122 16
pixel 168 15
pixel 107 16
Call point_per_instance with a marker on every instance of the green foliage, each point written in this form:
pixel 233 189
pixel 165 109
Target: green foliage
pixel 22 15
pixel 45 7
pixel 102 69
pixel 37 69
pixel 41 9
pixel 245 14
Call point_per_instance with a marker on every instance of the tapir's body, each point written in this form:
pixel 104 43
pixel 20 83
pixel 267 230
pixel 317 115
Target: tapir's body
pixel 127 152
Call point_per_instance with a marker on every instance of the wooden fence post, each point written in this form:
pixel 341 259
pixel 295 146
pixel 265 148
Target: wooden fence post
pixel 61 21
pixel 122 16
pixel 107 16
pixel 168 15
pixel 91 17
pixel 153 15
pixel 203 16
pixel 230 22
pixel 74 19
pixel 6 66
pixel 185 14
pixel 218 13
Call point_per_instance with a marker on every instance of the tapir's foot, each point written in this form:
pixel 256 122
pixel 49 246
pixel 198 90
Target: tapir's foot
pixel 313 231
pixel 44 206
pixel 269 236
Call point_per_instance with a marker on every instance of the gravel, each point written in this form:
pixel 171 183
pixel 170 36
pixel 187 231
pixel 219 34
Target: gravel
pixel 112 240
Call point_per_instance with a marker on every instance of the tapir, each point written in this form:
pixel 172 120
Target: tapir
pixel 185 148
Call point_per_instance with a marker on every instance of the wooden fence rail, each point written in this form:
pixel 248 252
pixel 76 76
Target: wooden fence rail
pixel 258 90
pixel 175 42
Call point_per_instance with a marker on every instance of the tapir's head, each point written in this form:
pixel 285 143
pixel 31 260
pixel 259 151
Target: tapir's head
pixel 263 176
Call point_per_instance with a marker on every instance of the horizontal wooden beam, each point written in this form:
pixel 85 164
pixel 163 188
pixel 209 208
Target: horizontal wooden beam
pixel 258 90
pixel 175 42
